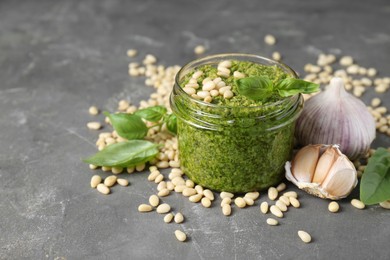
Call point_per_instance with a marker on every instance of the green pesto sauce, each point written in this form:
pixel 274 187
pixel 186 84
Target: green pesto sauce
pixel 239 157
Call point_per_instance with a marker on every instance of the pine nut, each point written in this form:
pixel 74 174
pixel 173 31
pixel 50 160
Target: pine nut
pixel 272 222
pixel 203 94
pixel 145 208
pixel 226 200
pixel 161 185
pixel 190 184
pixel 304 236
pixel 122 182
pixel 159 178
pixel 153 175
pixel 208 194
pixel 195 198
pixel 272 193
pixel 281 205
pixel 281 187
pixel 240 202
pixel 170 185
pixel 346 61
pixel 358 204
pixel 223 70
pixel 173 175
pixel 93 167
pixel 264 207
pixel 180 235
pixel 225 194
pixel 103 189
pixel 131 53
pixel 285 200
pixel 238 75
pixel 270 39
pixel 200 49
pixel 226 209
pixel 294 202
pixel 93 110
pixel 197 74
pixel 174 163
pixel 228 94
pixel 180 188
pixel 209 85
pixel 249 201
pixel 162 164
pixel 94 125
pixel 106 169
pixel 225 63
pixel 214 93
pixel 154 200
pixel 168 218
pixel 189 90
pixel 385 204
pixel 199 189
pixel 163 193
pixel 178 181
pixel 223 74
pixel 95 180
pixel 163 208
pixel 208 99
pixel 179 218
pixel 206 202
pixel 130 169
pixel 224 89
pixel 187 192
pixel 140 167
pixel 252 195
pixel 116 170
pixel 291 194
pixel 276 56
pixel 110 180
pixel 333 207
pixel 276 211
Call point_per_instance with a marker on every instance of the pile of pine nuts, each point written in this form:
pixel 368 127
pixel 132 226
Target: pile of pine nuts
pixel 162 79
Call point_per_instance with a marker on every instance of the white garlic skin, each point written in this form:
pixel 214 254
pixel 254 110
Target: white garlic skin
pixel 334 116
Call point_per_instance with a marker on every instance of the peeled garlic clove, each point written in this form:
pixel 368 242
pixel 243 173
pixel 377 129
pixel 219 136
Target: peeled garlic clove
pixel 336 177
pixel 324 164
pixel 334 116
pixel 307 157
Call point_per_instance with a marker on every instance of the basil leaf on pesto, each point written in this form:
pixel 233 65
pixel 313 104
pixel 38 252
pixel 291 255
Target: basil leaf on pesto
pixel 124 154
pixel 171 121
pixel 255 88
pixel 375 182
pixel 152 114
pixel 290 87
pixel 128 126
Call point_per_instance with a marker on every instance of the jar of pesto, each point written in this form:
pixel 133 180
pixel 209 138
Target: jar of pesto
pixel 233 144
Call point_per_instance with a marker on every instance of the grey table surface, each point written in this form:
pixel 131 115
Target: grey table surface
pixel 59 57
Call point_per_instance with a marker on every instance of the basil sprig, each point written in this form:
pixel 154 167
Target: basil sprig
pixel 124 154
pixel 375 182
pixel 260 88
pixel 133 128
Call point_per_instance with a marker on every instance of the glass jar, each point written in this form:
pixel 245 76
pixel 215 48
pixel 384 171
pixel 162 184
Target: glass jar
pixel 234 149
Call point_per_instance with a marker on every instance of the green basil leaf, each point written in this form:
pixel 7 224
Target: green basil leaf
pixel 290 87
pixel 375 182
pixel 152 114
pixel 124 154
pixel 128 126
pixel 256 88
pixel 171 121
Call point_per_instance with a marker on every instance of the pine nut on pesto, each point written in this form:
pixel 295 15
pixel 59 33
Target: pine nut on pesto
pixel 233 143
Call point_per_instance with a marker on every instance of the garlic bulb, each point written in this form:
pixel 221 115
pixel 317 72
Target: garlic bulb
pixel 336 117
pixel 323 171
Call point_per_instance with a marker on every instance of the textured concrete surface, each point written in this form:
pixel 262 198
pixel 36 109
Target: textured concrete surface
pixel 59 57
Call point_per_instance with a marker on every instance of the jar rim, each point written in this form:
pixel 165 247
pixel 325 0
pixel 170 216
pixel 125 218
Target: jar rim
pixel 225 56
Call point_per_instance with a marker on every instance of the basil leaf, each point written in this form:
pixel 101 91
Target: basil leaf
pixel 290 87
pixel 128 126
pixel 171 121
pixel 152 114
pixel 375 182
pixel 256 88
pixel 124 154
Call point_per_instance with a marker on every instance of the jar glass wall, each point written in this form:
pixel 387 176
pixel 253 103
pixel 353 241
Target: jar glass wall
pixel 234 148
